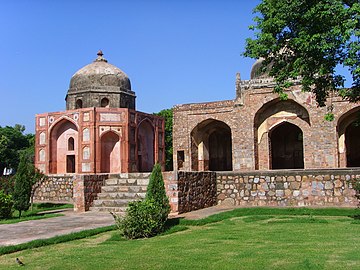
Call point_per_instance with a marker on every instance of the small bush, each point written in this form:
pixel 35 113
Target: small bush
pixel 6 203
pixel 142 219
pixel 148 217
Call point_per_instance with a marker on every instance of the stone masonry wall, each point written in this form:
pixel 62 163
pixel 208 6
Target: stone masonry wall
pixel 252 120
pixel 57 188
pixel 86 188
pixel 288 188
pixel 197 190
pixel 171 186
pixel 92 186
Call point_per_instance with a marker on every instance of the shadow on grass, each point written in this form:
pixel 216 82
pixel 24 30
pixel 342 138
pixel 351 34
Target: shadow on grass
pixel 49 205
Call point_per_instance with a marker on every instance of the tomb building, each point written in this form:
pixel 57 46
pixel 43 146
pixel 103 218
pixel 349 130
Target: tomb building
pixel 100 131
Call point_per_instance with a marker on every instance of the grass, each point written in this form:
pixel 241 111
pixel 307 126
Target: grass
pixel 256 238
pixel 37 212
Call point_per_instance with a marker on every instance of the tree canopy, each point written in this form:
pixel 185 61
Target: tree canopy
pixel 167 114
pixel 308 40
pixel 12 141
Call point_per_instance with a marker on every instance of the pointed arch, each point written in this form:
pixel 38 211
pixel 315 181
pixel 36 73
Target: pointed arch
pixel 211 146
pixel 110 152
pixel 62 158
pixel 348 130
pixel 270 115
pixel 145 139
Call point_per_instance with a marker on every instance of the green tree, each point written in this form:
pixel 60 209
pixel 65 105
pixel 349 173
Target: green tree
pixel 22 188
pixel 25 178
pixel 12 141
pixel 167 114
pixel 308 39
pixel 156 188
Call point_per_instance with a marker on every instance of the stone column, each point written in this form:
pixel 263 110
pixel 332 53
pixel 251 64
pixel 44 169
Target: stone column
pixel 79 194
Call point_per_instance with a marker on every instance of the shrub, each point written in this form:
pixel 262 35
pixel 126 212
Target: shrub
pixel 22 188
pixel 142 219
pixel 148 217
pixel 156 191
pixel 6 203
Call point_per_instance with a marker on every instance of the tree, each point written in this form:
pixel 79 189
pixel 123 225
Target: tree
pixel 308 39
pixel 25 178
pixel 22 188
pixel 156 189
pixel 12 141
pixel 167 114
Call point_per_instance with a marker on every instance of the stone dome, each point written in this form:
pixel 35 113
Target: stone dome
pixel 100 84
pixel 256 70
pixel 99 74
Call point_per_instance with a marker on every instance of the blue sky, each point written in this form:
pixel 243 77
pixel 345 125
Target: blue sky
pixel 174 52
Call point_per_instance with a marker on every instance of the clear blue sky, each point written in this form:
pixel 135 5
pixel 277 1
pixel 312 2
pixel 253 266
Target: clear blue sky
pixel 174 52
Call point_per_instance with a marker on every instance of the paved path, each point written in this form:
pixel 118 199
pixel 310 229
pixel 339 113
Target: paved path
pixel 26 231
pixel 22 232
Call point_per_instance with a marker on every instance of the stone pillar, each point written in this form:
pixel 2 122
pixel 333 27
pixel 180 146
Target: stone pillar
pixel 79 194
pixel 203 157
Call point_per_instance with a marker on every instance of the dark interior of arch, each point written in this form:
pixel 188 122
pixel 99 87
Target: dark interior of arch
pixel 216 136
pixel 220 150
pixel 286 144
pixel 352 142
pixel 146 153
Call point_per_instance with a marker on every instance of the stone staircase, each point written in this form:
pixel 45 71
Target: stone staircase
pixel 119 190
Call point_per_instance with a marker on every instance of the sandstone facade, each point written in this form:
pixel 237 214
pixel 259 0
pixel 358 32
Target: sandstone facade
pixel 100 132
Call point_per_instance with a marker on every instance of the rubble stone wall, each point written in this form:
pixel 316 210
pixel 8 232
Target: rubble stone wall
pixel 58 188
pixel 288 188
pixel 196 190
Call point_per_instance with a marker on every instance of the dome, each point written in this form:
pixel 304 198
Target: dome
pixel 99 74
pixel 256 70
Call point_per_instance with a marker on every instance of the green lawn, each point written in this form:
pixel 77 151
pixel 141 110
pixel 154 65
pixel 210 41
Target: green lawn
pixel 256 238
pixel 39 211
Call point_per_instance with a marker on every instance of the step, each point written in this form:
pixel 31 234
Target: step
pixel 131 175
pixel 127 181
pixel 118 210
pixel 105 189
pixel 121 195
pixel 112 202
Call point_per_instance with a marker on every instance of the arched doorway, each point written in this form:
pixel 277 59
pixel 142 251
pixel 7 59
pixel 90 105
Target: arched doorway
pixel 211 146
pixel 273 114
pixel 348 130
pixel 110 153
pixel 352 143
pixel 286 147
pixel 145 146
pixel 63 147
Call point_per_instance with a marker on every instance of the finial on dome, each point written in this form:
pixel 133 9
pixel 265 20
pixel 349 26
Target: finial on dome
pixel 100 57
